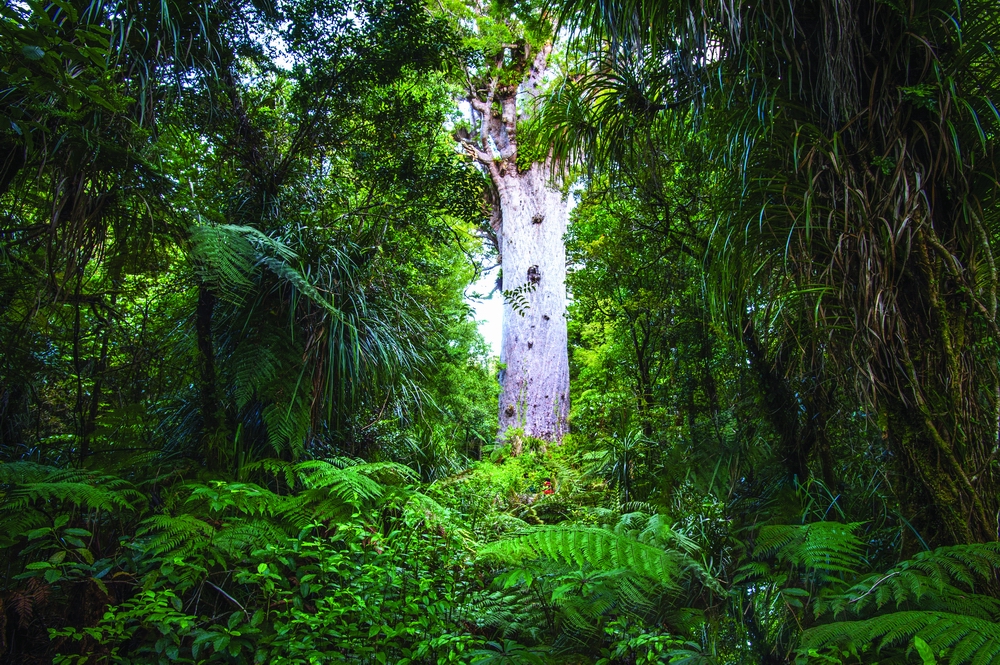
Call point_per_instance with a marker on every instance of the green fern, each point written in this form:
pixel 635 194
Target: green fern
pixel 239 538
pixel 29 484
pixel 596 548
pixel 182 535
pixel 941 577
pixel 965 639
pixel 828 547
pixel 652 529
pixel 935 595
pixel 239 498
pixel 228 254
pixel 510 612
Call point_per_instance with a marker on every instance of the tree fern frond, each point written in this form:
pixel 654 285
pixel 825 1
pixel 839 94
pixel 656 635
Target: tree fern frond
pixel 348 485
pixel 508 612
pixel 276 467
pixel 966 639
pixel 820 546
pixel 255 368
pixel 238 538
pixel 93 497
pixel 653 529
pixel 25 472
pixel 937 577
pixel 598 548
pixel 225 256
pixel 288 423
pixel 31 482
pixel 246 498
pixel 181 535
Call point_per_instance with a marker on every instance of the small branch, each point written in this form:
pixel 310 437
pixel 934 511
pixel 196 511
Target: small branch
pixel 473 151
pixel 877 582
pixel 479 105
pixel 230 598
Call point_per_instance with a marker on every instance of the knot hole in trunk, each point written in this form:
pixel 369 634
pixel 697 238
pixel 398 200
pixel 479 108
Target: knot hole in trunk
pixel 538 218
pixel 533 275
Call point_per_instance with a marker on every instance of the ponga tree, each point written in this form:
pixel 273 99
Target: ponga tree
pixel 512 43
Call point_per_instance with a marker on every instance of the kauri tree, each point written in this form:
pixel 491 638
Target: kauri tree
pixel 512 46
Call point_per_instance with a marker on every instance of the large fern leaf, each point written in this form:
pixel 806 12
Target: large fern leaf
pixel 820 546
pixel 593 547
pixel 965 639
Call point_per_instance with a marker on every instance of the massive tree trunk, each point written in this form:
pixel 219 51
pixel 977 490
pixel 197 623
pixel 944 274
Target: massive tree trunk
pixel 529 218
pixel 535 383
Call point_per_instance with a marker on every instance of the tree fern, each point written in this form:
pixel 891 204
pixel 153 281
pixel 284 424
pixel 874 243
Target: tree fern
pixel 509 612
pixel 240 537
pixel 239 498
pixel 332 488
pixel 652 529
pixel 227 254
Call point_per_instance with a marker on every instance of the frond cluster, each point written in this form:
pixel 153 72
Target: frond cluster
pixel 237 518
pixel 932 596
pixel 28 491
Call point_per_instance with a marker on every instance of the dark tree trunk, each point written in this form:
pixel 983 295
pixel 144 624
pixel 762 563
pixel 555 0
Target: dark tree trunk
pixel 208 398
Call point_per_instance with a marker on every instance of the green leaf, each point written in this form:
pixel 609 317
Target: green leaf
pixel 924 651
pixel 32 52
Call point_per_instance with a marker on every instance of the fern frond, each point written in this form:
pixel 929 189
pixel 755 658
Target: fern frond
pixel 508 612
pixel 287 424
pixel 85 495
pixel 247 498
pixel 21 472
pixel 937 579
pixel 30 482
pixel 224 255
pixel 964 638
pixel 255 369
pixel 597 548
pixel 160 535
pixel 384 472
pixel 653 529
pixel 323 480
pixel 819 546
pixel 238 538
pixel 276 467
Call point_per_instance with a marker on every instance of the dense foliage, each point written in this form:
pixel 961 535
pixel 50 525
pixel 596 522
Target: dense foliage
pixel 246 415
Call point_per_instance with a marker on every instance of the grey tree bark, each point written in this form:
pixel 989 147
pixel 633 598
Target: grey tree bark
pixel 529 218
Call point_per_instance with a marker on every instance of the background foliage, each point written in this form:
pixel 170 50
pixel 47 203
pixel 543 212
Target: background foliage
pixel 246 415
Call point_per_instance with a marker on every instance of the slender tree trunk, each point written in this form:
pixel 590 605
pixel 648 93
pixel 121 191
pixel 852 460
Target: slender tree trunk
pixel 208 398
pixel 535 383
